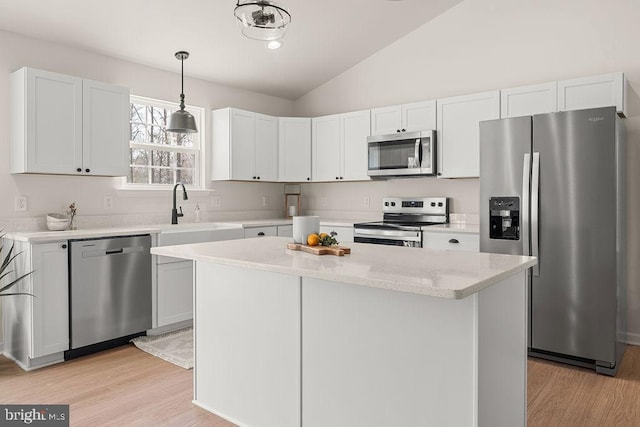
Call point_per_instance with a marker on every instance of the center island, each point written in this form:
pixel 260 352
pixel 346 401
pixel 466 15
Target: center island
pixel 384 336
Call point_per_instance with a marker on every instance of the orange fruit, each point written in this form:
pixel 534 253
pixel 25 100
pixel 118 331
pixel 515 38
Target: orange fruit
pixel 323 235
pixel 313 239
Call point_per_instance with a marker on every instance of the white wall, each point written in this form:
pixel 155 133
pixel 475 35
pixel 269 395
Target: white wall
pixel 48 193
pixel 482 45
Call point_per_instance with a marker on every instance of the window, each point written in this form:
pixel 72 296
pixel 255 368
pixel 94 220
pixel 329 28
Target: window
pixel 158 157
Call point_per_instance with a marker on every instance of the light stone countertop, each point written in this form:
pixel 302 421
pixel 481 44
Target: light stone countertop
pixel 92 233
pixel 445 274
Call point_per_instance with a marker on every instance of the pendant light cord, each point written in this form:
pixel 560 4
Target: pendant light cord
pixel 182 83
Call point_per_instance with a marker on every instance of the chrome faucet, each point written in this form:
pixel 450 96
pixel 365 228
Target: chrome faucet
pixel 174 212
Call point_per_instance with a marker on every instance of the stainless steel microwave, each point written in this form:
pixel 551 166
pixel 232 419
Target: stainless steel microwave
pixel 402 154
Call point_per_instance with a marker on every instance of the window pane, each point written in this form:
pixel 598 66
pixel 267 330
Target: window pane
pixel 184 139
pixel 139 156
pixel 185 176
pixel 185 160
pixel 139 175
pixel 161 158
pixel 138 133
pixel 161 176
pixel 160 116
pixel 138 113
pixel 157 135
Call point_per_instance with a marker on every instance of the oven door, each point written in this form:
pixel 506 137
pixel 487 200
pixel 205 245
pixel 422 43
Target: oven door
pixel 406 153
pixel 377 236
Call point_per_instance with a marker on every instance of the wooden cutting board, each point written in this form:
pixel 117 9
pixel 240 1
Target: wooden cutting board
pixel 319 250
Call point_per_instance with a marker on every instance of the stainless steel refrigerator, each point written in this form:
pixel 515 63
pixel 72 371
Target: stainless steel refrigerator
pixel 552 186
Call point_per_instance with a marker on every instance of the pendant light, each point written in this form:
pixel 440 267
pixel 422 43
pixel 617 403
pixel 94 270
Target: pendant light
pixel 182 121
pixel 261 19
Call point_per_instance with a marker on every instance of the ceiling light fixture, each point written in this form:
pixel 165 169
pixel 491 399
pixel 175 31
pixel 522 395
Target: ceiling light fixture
pixel 274 44
pixel 262 20
pixel 182 121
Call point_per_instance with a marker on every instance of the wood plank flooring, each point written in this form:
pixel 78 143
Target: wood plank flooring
pixel 119 387
pixel 127 387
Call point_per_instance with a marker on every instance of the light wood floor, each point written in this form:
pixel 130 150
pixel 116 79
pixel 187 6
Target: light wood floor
pixel 127 387
pixel 119 387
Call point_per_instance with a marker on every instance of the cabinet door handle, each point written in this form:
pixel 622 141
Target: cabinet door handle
pixel 341 177
pixel 308 179
pixel 79 169
pixel 87 170
pixel 260 234
pixel 404 130
pixel 258 177
pixel 453 241
pixel 64 246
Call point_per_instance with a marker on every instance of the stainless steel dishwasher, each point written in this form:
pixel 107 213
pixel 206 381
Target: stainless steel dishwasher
pixel 109 292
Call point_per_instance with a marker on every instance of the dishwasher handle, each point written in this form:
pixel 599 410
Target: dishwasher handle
pixel 90 253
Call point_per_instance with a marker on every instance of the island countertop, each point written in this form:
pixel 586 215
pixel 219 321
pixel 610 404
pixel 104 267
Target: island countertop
pixel 445 274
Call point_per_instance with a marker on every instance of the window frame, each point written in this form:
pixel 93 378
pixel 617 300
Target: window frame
pixel 198 149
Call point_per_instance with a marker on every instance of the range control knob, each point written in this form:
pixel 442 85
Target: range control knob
pixel 386 203
pixel 393 203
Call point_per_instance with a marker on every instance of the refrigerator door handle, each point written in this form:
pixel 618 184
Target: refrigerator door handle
pixel 526 214
pixel 535 208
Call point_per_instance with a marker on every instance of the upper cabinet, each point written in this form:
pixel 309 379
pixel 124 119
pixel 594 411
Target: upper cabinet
pixel 245 146
pixel 340 147
pixel 403 118
pixel 294 134
pixel 66 125
pixel 458 138
pixel 595 91
pixel 529 100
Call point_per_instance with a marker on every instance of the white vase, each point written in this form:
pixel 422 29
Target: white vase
pixel 303 226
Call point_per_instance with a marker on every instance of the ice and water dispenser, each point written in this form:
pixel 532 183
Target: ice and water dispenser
pixel 504 218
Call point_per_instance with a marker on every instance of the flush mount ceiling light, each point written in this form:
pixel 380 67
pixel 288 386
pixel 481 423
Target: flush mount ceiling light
pixel 262 20
pixel 182 121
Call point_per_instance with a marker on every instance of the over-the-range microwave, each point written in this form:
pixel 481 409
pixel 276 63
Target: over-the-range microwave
pixel 402 154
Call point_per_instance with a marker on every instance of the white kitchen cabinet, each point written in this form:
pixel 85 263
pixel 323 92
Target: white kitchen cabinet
pixel 245 146
pixel 340 147
pixel 251 232
pixel 327 147
pixel 36 329
pixel 458 132
pixel 451 241
pixel 175 292
pixel 66 125
pixel 344 234
pixel 529 100
pixel 285 231
pixel 403 118
pixel 294 136
pixel 603 90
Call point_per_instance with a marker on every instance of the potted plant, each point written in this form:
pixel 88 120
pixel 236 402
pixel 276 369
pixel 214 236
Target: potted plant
pixel 5 270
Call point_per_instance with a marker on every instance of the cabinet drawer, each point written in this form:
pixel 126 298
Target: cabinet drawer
pixel 452 241
pixel 260 232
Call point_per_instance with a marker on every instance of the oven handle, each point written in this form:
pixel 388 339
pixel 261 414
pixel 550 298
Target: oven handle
pixel 417 155
pixel 414 236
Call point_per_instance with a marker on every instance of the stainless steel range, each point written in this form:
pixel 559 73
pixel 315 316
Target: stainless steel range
pixel 403 221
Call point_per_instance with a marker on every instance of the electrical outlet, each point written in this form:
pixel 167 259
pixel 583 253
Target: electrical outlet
pixel 323 201
pixel 366 201
pixel 20 203
pixel 107 202
pixel 265 201
pixel 217 201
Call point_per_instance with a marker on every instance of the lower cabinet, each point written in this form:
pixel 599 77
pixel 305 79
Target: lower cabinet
pixel 175 292
pixel 451 241
pixel 344 234
pixel 260 231
pixel 285 231
pixel 36 328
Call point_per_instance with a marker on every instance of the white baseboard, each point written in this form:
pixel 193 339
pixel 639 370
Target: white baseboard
pixel 632 338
